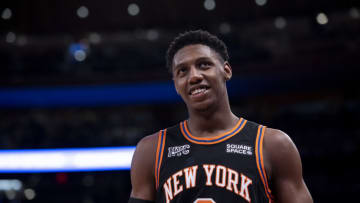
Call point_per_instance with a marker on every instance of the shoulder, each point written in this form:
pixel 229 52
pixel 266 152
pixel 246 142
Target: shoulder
pixel 277 139
pixel 278 144
pixel 148 142
pixel 280 153
pixel 147 146
pixel 145 151
pixel 142 168
pixel 143 160
pixel 284 168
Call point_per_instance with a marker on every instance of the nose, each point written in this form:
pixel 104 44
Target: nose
pixel 195 76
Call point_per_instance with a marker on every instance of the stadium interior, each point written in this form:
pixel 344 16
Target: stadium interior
pixel 294 67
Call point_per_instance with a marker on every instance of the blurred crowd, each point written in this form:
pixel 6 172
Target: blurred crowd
pixel 139 55
pixel 325 132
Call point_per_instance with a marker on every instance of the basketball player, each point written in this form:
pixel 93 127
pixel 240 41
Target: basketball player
pixel 214 156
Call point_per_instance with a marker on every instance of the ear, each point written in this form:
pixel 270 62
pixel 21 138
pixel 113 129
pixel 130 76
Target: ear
pixel 227 71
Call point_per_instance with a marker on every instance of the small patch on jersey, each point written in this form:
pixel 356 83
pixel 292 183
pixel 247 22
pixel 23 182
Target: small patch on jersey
pixel 178 150
pixel 239 149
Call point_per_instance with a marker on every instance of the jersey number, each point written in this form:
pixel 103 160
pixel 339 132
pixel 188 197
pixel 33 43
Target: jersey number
pixel 204 200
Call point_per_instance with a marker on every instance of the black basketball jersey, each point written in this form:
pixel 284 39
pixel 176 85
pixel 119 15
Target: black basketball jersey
pixel 222 169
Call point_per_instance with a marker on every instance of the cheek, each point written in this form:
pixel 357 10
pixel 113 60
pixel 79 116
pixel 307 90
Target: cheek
pixel 221 75
pixel 179 86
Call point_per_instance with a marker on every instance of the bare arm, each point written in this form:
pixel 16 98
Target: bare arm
pixel 283 164
pixel 142 169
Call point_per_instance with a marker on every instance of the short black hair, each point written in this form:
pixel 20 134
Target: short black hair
pixel 195 37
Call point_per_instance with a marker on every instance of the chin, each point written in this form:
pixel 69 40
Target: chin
pixel 201 106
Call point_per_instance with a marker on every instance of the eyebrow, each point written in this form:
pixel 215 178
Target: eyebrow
pixel 203 58
pixel 196 60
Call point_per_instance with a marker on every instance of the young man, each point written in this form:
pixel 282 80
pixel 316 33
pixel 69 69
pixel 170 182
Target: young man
pixel 214 156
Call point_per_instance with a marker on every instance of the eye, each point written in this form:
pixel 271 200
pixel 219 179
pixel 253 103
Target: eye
pixel 204 64
pixel 181 70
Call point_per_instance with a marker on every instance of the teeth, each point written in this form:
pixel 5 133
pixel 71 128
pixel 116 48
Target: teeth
pixel 197 91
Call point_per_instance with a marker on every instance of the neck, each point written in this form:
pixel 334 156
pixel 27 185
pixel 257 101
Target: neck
pixel 212 121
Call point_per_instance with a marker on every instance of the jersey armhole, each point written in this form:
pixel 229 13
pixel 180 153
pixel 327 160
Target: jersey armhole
pixel 260 161
pixel 159 155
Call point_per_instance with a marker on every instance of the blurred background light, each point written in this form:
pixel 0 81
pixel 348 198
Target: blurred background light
pixel 354 13
pixel 133 9
pixel 322 18
pixel 10 194
pixel 261 2
pixel 225 28
pixel 152 35
pixel 6 14
pixel 82 12
pixel 29 194
pixel 94 38
pixel 280 22
pixel 10 37
pixel 80 55
pixel 79 51
pixel 62 160
pixel 10 184
pixel 209 5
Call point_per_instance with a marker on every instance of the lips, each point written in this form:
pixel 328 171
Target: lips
pixel 198 90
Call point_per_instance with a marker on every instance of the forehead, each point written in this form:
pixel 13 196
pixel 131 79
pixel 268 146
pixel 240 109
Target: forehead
pixel 192 52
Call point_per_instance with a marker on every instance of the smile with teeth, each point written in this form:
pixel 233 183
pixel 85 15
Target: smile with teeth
pixel 198 91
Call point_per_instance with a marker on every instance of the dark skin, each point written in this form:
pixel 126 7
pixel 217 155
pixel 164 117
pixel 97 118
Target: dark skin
pixel 199 67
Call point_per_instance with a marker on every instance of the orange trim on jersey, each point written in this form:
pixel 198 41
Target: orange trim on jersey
pixel 157 159
pixel 211 140
pixel 260 160
pixel 159 155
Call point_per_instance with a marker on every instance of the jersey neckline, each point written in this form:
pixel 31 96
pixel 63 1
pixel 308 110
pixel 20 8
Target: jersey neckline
pixel 211 140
